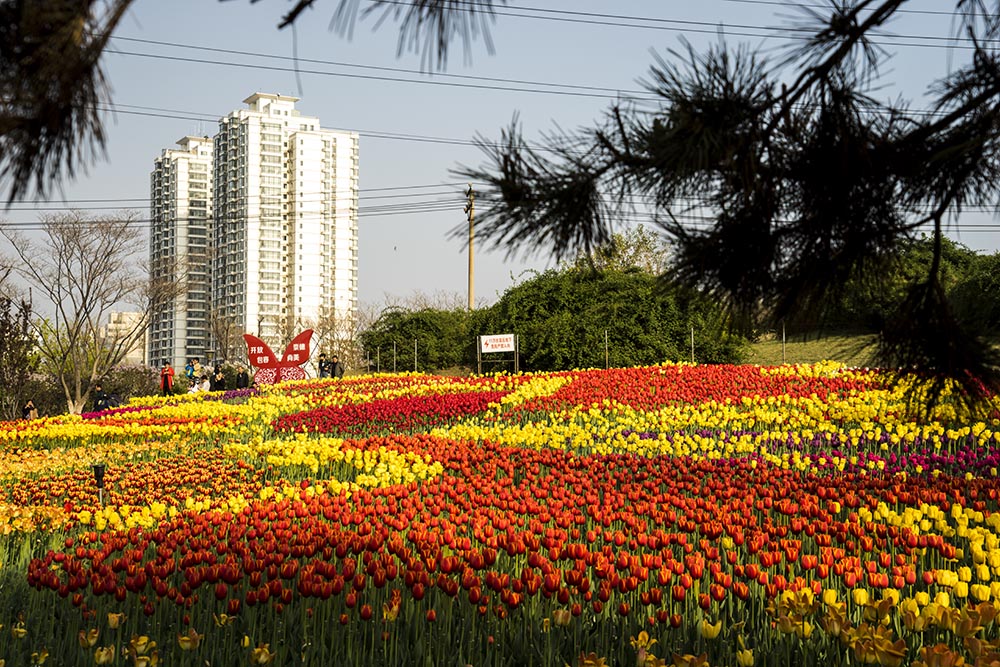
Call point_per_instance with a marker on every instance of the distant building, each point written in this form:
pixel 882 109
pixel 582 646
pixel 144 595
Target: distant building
pixel 261 224
pixel 286 212
pixel 180 232
pixel 119 326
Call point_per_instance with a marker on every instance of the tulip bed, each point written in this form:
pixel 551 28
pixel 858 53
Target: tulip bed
pixel 668 515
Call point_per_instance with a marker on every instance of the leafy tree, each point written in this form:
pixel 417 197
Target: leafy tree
pixel 562 317
pixel 808 181
pixel 977 295
pixel 865 306
pixel 86 269
pixel 45 392
pixel 443 338
pixel 126 381
pixel 635 248
pixel 17 356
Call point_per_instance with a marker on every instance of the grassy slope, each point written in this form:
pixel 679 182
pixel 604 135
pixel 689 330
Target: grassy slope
pixel 851 350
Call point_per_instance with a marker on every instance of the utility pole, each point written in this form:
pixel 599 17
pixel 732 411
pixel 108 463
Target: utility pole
pixel 470 211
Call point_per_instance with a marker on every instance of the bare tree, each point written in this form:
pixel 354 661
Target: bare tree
pixel 227 337
pixel 439 300
pixel 341 334
pixel 86 268
pixel 17 354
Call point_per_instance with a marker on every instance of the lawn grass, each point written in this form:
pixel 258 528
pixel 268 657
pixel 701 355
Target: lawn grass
pixel 856 350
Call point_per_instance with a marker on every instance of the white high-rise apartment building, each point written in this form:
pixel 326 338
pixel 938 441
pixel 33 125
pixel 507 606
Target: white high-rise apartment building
pixel 181 228
pixel 286 221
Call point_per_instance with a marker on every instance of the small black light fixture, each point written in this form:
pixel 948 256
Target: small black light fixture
pixel 99 470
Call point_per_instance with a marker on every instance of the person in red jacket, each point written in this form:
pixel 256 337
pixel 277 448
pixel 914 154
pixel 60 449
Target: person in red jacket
pixel 167 378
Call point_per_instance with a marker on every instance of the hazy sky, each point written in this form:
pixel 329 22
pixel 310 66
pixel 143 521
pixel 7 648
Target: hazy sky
pixel 175 70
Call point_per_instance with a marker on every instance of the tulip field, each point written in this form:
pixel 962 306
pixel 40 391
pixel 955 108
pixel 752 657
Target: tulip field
pixel 665 515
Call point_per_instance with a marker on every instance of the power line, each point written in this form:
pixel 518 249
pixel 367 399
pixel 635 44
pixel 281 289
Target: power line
pixel 376 134
pixel 394 136
pixel 369 77
pixel 147 223
pixel 401 70
pixel 453 205
pixel 687 25
pixel 157 112
pixel 797 5
pixel 218 218
pixel 499 83
pixel 311 197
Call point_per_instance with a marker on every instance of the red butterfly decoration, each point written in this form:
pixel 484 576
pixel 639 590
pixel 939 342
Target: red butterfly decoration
pixel 272 371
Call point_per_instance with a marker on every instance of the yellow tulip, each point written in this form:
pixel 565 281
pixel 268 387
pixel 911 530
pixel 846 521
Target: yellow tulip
pixel 642 641
pixel 980 592
pixel 104 655
pixel 909 605
pixel 262 655
pixel 744 657
pixel 708 631
pixel 150 660
pixel 141 644
pixel 190 641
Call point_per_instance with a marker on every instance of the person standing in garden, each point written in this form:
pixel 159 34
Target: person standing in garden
pixel 242 377
pixel 218 380
pixel 325 367
pixel 336 368
pixel 167 378
pixel 29 411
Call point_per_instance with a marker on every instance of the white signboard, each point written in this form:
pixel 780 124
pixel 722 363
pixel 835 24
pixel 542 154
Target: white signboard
pixel 497 343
